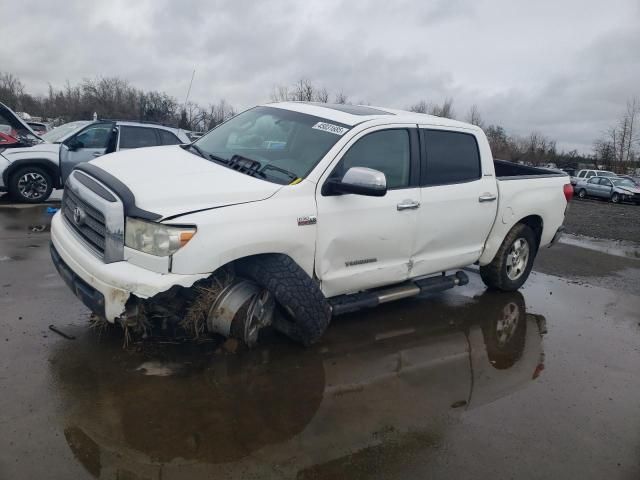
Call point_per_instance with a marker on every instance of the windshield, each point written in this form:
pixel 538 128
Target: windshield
pixel 278 145
pixel 623 182
pixel 60 133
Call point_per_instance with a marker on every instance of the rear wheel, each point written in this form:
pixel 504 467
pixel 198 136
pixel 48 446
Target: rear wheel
pixel 30 185
pixel 512 264
pixel 582 193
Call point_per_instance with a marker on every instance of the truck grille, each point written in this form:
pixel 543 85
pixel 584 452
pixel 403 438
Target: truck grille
pixel 91 226
pixel 95 215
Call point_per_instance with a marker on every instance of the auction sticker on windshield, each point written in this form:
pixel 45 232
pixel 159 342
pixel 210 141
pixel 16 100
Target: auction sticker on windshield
pixel 328 127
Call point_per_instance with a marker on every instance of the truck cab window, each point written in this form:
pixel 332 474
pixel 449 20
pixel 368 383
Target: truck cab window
pixel 451 157
pixel 387 151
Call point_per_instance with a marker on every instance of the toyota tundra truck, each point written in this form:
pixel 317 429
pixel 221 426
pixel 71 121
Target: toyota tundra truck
pixel 291 213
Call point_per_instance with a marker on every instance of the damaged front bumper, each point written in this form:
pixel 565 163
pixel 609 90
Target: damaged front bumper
pixel 106 287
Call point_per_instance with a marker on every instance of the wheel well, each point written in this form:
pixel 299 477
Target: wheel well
pixel 46 165
pixel 535 223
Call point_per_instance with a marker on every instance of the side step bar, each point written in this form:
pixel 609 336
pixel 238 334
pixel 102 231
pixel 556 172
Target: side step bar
pixel 351 303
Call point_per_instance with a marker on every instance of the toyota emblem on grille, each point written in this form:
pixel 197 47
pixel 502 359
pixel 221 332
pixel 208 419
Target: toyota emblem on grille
pixel 78 216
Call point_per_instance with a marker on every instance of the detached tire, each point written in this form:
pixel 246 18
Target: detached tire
pixel 512 264
pixel 306 309
pixel 30 185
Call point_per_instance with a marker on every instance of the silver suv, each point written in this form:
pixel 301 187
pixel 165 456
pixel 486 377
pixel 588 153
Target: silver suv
pixel 29 173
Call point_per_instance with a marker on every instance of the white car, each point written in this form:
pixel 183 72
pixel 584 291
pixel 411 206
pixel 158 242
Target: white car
pixel 290 213
pixel 584 175
pixel 29 172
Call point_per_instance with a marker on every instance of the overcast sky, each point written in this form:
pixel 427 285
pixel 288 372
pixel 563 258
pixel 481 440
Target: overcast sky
pixel 563 68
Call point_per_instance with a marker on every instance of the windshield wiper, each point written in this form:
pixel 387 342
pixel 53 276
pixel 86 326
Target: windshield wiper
pixel 292 176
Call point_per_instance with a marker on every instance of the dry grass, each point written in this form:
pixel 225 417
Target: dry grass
pixel 195 318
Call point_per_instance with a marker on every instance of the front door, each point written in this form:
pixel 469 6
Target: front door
pixel 363 241
pixel 89 143
pixel 459 202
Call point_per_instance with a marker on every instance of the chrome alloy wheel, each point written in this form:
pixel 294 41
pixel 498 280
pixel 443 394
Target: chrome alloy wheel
pixel 32 185
pixel 517 258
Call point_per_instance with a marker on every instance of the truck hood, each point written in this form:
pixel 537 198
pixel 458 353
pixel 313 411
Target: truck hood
pixel 47 150
pixel 171 181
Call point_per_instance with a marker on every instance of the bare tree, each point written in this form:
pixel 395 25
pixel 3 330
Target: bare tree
pixel 340 98
pixel 280 93
pixel 11 90
pixel 474 117
pixel 321 95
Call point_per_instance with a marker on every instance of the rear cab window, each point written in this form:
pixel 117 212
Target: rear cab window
pixel 450 157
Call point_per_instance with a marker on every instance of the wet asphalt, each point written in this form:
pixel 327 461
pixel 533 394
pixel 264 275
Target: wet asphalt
pixel 541 383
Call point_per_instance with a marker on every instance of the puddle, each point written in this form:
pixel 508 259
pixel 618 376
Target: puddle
pixel 414 365
pixel 618 248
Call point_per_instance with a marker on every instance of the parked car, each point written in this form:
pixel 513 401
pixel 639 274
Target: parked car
pixel 39 127
pixel 298 212
pixel 635 180
pixel 587 174
pixel 614 189
pixel 30 173
pixel 15 132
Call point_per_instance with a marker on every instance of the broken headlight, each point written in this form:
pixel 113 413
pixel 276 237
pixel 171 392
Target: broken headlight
pixel 156 238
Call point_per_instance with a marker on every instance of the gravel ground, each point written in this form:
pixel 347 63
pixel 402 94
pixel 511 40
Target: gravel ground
pixel 599 219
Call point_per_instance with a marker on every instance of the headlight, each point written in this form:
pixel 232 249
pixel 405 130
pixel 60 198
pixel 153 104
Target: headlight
pixel 156 238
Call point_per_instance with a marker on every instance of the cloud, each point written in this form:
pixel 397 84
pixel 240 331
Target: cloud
pixel 564 69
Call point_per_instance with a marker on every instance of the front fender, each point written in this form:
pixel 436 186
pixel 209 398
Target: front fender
pixel 46 163
pixel 268 226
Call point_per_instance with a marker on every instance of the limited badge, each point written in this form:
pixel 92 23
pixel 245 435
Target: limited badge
pixel 331 128
pixel 307 220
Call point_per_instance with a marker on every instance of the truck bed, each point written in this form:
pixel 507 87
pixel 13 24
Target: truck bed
pixel 514 171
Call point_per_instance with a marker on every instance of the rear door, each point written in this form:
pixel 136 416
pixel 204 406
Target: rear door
pixel 89 143
pixel 458 202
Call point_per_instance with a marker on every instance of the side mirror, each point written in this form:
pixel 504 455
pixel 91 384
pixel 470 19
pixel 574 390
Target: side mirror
pixel 359 181
pixel 74 145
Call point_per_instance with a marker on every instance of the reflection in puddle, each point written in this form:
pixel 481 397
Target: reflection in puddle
pixel 382 382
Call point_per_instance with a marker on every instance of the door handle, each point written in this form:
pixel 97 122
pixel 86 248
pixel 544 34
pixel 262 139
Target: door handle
pixel 97 154
pixel 487 197
pixel 408 205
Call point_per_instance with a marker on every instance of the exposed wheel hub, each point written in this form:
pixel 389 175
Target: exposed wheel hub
pixel 241 310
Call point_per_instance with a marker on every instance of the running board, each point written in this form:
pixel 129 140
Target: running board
pixel 357 301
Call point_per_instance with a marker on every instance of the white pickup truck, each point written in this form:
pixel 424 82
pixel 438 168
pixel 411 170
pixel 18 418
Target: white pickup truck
pixel 290 213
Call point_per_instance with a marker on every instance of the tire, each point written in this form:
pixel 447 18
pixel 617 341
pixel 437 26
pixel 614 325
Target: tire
pixel 305 310
pixel 582 193
pixel 501 274
pixel 30 185
pixel 615 198
pixel 504 328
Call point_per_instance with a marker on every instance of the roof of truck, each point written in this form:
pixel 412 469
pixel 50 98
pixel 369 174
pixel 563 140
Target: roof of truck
pixel 354 114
